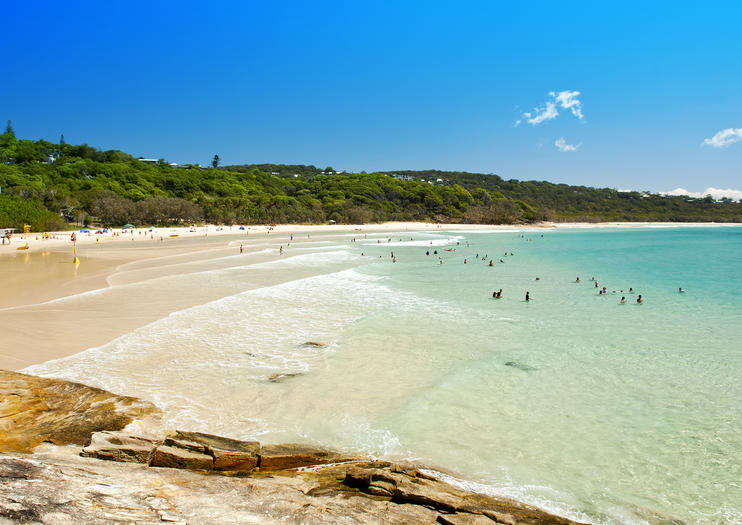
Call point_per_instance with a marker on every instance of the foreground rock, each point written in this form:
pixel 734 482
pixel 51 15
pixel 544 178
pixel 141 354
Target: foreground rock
pixel 35 409
pixel 55 486
pixel 287 483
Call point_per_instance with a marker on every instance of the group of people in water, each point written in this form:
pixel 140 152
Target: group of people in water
pixel 604 291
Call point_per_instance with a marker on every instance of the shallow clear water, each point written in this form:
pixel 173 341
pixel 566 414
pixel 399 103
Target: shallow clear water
pixel 596 410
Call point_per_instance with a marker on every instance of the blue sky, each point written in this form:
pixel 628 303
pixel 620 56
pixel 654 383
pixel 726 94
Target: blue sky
pixel 391 85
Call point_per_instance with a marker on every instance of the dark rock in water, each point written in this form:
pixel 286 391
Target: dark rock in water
pixel 520 366
pixel 290 455
pixel 174 457
pixel 229 454
pixel 315 343
pixel 38 409
pixel 277 378
pixel 119 446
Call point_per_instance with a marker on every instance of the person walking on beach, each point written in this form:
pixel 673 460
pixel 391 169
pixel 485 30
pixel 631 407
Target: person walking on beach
pixel 240 248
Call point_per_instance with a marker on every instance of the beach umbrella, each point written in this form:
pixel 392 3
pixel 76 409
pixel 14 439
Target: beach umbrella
pixel 84 230
pixel 129 226
pixel 242 227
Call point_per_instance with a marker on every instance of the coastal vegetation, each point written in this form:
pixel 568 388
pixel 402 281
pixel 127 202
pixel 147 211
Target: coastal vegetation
pixel 52 186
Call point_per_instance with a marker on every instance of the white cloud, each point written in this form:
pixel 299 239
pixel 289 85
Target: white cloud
pixel 562 145
pixel 568 100
pixel 724 138
pixel 548 112
pixel 564 99
pixel 715 193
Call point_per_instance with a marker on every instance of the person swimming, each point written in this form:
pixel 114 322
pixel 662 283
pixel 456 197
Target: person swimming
pixel 639 299
pixel 680 290
pixel 578 279
pixel 623 300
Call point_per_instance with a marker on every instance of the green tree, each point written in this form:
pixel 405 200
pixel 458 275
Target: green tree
pixel 215 161
pixel 9 128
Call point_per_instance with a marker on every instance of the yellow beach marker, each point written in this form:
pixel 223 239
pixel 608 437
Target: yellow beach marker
pixel 74 250
pixel 23 247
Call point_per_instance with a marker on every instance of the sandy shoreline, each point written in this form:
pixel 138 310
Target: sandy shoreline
pixel 40 322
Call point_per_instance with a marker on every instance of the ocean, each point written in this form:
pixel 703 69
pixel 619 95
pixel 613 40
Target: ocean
pixel 592 409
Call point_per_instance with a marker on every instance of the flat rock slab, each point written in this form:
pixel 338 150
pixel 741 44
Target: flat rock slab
pixel 120 446
pixel 174 457
pixel 229 454
pixel 36 409
pixel 291 455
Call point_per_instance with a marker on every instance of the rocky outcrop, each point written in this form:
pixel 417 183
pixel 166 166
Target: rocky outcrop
pixel 36 409
pixel 66 485
pixel 53 486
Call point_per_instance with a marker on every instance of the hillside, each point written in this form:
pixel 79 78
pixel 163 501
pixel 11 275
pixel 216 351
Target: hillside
pixel 51 186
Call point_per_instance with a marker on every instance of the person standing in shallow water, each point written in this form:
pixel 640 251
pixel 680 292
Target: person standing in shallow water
pixel 528 296
pixel 639 299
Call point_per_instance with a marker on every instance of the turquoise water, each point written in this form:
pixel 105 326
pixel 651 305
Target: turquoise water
pixel 599 411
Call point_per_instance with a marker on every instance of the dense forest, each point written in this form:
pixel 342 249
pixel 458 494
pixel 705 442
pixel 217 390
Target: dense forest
pixel 56 186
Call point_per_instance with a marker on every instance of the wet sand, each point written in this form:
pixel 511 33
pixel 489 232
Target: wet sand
pixel 51 308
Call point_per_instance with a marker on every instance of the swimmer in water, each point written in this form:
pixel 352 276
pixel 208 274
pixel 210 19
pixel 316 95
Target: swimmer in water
pixel 680 290
pixel 623 300
pixel 578 279
pixel 528 296
pixel 639 299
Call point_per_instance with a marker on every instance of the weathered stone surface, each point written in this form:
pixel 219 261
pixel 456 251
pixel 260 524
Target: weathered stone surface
pixel 119 446
pixel 229 454
pixel 185 444
pixel 500 517
pixel 293 455
pixel 55 486
pixel 174 457
pixel 37 409
pixel 463 519
pixel 408 485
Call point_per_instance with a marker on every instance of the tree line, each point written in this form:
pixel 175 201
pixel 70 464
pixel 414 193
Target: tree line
pixel 53 186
